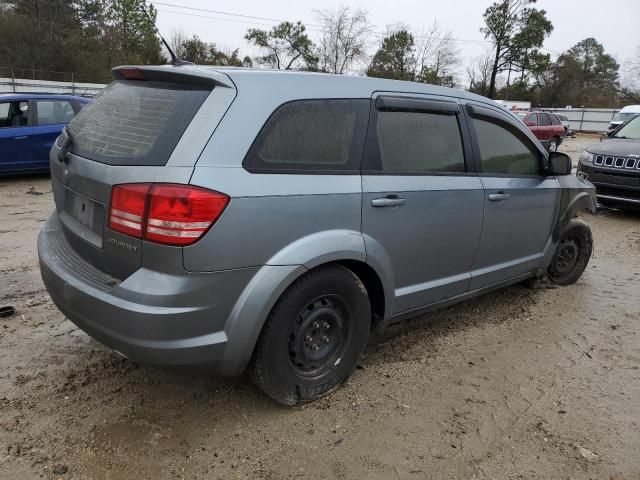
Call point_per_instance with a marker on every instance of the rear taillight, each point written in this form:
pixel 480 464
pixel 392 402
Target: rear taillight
pixel 165 213
pixel 128 205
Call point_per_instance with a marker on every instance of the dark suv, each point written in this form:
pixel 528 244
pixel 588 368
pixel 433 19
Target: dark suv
pixel 613 166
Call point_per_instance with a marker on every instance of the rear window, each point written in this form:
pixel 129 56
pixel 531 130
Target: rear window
pixel 305 136
pixel 135 122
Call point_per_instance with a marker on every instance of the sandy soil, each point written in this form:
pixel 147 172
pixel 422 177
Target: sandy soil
pixel 518 384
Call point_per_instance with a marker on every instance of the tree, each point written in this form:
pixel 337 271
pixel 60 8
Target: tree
pixel 177 39
pixel 584 75
pixel 344 38
pixel 132 32
pixel 287 46
pixel 437 58
pixel 203 53
pixel 630 91
pixel 517 31
pixel 479 74
pixel 395 58
pixel 433 60
pixel 31 38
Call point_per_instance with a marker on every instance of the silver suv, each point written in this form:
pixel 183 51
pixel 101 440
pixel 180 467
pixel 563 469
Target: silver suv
pixel 270 221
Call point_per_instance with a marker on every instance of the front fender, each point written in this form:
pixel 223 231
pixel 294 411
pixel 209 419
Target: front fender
pixel 576 194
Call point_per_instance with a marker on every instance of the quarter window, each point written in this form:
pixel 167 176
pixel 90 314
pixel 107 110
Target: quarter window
pixel 413 142
pixel 54 112
pixel 505 151
pixel 311 135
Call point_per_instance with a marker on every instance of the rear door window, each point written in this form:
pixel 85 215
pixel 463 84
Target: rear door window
pixel 504 150
pixel 14 114
pixel 54 112
pixel 418 143
pixel 543 120
pixel 307 136
pixel 135 122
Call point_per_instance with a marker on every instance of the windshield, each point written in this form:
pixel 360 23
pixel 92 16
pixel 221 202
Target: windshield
pixel 630 130
pixel 623 117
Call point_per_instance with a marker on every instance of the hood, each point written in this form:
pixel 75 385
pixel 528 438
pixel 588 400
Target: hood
pixel 617 147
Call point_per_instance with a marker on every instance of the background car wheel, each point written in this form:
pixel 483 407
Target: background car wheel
pixel 553 145
pixel 314 336
pixel 572 254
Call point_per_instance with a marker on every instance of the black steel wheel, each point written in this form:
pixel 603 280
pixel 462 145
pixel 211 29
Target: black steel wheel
pixel 319 336
pixel 572 253
pixel 314 336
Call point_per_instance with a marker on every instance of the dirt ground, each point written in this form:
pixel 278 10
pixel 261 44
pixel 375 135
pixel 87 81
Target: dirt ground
pixel 518 384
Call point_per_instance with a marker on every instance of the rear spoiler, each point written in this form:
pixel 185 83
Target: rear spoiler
pixel 183 74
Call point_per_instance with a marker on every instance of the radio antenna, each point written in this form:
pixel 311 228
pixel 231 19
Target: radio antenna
pixel 175 60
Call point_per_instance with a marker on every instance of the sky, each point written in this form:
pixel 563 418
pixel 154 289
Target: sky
pixel 614 24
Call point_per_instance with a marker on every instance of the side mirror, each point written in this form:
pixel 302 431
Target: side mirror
pixel 559 164
pixel 530 123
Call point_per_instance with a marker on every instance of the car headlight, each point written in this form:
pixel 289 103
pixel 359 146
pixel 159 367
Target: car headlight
pixel 586 157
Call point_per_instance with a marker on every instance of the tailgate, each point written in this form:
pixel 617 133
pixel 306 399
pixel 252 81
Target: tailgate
pixel 138 131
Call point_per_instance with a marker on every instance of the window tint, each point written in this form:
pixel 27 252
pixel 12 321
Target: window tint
pixel 543 120
pixel 14 114
pixel 311 135
pixel 53 112
pixel 416 142
pixel 135 123
pixel 505 151
pixel 555 119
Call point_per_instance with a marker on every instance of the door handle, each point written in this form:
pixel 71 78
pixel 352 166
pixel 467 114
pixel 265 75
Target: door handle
pixel 21 137
pixel 498 197
pixel 388 201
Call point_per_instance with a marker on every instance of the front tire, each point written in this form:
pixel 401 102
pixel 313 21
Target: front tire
pixel 313 337
pixel 572 253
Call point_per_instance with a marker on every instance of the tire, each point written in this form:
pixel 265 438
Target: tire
pixel 313 337
pixel 553 145
pixel 572 254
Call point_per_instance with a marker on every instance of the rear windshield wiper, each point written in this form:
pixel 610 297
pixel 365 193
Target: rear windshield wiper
pixel 67 140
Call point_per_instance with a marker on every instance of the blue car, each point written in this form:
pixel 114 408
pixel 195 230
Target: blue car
pixel 29 124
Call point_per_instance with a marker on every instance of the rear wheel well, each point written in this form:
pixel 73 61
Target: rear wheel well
pixel 372 283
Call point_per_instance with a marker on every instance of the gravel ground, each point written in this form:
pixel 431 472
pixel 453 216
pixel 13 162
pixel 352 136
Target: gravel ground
pixel 517 384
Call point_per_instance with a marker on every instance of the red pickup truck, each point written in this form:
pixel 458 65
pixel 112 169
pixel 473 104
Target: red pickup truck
pixel 547 128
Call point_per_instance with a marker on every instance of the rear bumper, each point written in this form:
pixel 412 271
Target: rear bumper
pixel 177 318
